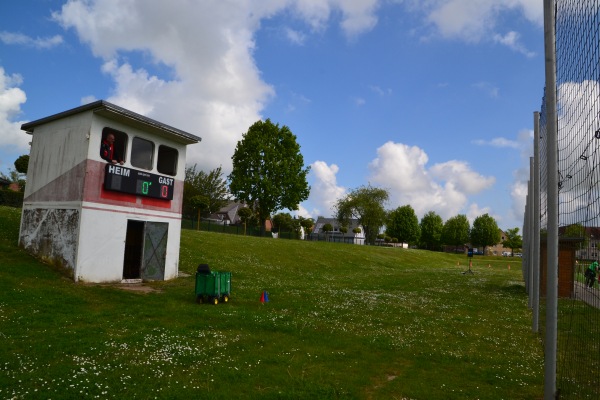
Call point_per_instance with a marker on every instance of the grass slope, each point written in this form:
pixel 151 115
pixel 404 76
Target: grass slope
pixel 343 321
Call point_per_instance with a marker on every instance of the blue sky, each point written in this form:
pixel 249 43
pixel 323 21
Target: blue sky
pixel 432 100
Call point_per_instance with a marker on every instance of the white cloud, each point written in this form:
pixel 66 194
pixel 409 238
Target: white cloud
pixel 359 101
pixel 213 88
pixel 462 177
pixel 12 138
pixel 473 21
pixel 443 188
pixel 24 40
pixel 378 90
pixel 488 88
pixel 324 191
pixel 294 36
pixel 498 142
pixel 475 211
pixel 358 16
pixel 511 40
pixel 518 194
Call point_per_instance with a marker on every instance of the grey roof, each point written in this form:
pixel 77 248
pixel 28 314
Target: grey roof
pixel 231 210
pixel 105 108
pixel 335 223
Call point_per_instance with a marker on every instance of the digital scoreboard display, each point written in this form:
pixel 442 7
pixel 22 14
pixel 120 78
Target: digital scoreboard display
pixel 140 183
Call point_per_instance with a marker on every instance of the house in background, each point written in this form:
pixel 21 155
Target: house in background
pixel 587 247
pixel 227 215
pixel 336 235
pixel 498 249
pixel 105 222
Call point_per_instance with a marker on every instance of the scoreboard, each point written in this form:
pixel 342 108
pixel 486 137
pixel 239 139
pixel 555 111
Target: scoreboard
pixel 140 183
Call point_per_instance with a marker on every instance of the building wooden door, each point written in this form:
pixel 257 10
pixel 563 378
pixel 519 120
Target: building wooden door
pixel 155 250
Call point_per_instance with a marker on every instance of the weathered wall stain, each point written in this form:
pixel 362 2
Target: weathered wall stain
pixel 51 234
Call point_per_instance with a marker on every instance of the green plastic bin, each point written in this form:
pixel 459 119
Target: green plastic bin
pixel 213 287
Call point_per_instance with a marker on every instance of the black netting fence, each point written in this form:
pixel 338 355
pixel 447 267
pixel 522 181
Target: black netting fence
pixel 577 26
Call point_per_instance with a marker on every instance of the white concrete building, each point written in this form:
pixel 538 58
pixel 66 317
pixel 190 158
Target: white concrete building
pixel 100 221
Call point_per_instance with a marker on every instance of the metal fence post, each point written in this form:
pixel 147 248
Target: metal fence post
pixel 550 348
pixel 535 234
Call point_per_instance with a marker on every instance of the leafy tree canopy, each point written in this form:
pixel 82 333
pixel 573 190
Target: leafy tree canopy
pixel 431 226
pixel 211 186
pixel 268 170
pixel 485 231
pixel 513 239
pixel 306 223
pixel 366 204
pixel 456 231
pixel 22 163
pixel 327 228
pixel 403 224
pixel 283 222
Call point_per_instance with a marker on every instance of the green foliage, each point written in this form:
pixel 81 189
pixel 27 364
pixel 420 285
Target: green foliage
pixel 574 231
pixel 306 223
pixel 11 198
pixel 245 214
pixel 327 228
pixel 22 163
pixel 268 169
pixel 357 231
pixel 345 321
pixel 431 226
pixel 344 229
pixel 456 231
pixel 485 231
pixel 211 186
pixel 513 239
pixel 402 223
pixel 283 222
pixel 366 204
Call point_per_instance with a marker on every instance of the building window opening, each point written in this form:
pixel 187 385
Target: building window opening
pixel 142 151
pixel 166 163
pixel 113 146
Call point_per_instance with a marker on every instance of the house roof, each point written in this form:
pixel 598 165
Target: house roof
pixel 335 223
pixel 230 211
pixel 4 181
pixel 104 108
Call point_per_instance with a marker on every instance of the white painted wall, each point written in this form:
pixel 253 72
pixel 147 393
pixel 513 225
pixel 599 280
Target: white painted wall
pixel 101 248
pixel 57 147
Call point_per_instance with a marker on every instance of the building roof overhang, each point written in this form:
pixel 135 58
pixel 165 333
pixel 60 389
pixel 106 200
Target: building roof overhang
pixel 112 111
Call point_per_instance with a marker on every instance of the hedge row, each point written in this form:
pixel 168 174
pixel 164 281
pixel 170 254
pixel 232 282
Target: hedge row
pixel 11 198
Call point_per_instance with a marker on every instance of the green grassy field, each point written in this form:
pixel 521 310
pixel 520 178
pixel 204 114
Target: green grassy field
pixel 343 321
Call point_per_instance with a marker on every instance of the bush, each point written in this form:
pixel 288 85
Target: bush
pixel 11 198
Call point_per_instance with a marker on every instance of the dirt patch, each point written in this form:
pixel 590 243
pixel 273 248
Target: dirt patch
pixel 140 288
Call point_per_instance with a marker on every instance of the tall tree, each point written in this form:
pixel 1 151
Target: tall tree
pixel 456 231
pixel 212 186
pixel 403 224
pixel 513 240
pixel 431 226
pixel 366 204
pixel 485 232
pixel 268 170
